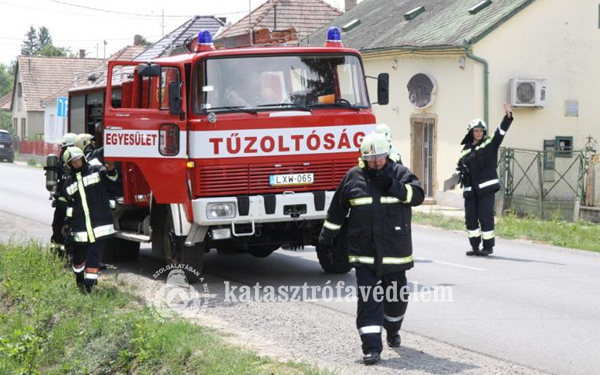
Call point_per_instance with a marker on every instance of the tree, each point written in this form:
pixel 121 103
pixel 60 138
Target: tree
pixel 6 79
pixel 30 45
pixel 140 40
pixel 53 51
pixel 44 38
pixel 6 122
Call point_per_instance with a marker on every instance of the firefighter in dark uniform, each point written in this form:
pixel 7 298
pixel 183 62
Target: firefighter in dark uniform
pixel 89 218
pixel 378 194
pixel 59 201
pixel 85 142
pixel 477 167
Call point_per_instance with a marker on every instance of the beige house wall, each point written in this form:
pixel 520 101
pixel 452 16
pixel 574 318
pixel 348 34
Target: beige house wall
pixel 551 39
pixel 554 40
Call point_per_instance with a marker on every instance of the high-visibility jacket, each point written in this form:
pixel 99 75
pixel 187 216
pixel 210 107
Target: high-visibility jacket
pixel 378 224
pixel 481 160
pixel 89 210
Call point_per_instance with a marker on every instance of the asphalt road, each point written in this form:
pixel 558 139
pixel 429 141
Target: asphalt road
pixel 529 304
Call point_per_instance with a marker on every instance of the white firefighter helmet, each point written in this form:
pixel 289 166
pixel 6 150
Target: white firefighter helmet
pixel 68 140
pixel 477 123
pixel 385 130
pixel 83 140
pixel 373 146
pixel 71 154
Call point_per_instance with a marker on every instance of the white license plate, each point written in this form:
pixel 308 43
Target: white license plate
pixel 291 179
pixel 1 146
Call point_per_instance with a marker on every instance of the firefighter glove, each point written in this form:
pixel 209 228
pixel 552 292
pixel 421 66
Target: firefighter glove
pixel 383 181
pixel 326 238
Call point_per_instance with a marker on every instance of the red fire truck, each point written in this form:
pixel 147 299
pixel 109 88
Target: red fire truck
pixel 237 150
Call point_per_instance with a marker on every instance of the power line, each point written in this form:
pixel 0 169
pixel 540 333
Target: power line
pixel 130 13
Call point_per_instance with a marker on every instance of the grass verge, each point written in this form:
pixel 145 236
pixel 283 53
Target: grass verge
pixel 48 327
pixel 581 235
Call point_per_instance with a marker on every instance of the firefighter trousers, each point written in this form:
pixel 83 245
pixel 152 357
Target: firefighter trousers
pixel 479 219
pixel 382 303
pixel 86 262
pixel 60 211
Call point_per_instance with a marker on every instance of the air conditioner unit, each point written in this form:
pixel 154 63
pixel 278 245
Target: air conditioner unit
pixel 528 93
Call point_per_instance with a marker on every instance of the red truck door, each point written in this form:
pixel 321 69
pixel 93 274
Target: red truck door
pixel 145 126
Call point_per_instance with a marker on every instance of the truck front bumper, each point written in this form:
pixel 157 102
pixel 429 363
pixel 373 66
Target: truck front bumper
pixel 270 208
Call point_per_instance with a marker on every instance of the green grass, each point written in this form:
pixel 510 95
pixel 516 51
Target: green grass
pixel 48 327
pixel 579 235
pixel 31 162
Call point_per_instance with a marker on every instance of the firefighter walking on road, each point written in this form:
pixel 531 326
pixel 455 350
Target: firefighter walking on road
pixel 477 166
pixel 378 194
pixel 89 220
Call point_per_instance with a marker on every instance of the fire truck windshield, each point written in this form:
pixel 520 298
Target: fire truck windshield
pixel 279 82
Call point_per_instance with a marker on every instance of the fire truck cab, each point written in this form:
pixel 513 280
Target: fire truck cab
pixel 236 150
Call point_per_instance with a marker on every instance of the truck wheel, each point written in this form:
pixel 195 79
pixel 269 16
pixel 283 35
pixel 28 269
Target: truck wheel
pixel 341 262
pixel 192 256
pixel 158 221
pixel 170 247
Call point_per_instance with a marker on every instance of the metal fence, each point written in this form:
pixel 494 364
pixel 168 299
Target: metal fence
pixel 39 148
pixel 541 183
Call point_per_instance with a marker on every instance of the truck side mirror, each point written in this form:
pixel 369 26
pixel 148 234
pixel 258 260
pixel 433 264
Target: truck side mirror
pixel 383 89
pixel 148 70
pixel 174 98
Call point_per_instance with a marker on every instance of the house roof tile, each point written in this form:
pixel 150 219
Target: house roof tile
pixel 176 39
pixel 305 15
pixel 444 24
pixel 42 77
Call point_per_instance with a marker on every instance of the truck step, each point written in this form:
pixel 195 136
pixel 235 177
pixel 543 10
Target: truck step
pixel 132 236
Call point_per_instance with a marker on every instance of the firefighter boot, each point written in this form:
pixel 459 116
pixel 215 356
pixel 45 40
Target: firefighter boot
pixel 88 285
pixel 371 358
pixel 486 251
pixel 79 280
pixel 474 251
pixel 393 340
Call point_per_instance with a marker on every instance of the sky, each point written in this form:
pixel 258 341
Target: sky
pixel 75 25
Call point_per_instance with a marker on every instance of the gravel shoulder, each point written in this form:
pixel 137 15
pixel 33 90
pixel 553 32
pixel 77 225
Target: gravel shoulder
pixel 298 331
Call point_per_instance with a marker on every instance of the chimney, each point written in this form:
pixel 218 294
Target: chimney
pixel 137 39
pixel 82 54
pixel 349 5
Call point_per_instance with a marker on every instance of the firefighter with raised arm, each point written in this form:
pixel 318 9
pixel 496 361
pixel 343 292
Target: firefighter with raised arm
pixel 59 201
pixel 89 219
pixel 387 132
pixel 477 167
pixel 378 195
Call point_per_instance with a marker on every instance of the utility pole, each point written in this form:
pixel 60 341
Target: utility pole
pixel 96 50
pixel 105 43
pixel 163 22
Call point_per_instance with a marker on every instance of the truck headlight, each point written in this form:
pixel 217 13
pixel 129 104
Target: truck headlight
pixel 220 210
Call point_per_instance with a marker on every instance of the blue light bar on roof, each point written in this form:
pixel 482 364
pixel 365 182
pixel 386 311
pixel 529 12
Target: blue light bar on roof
pixel 334 34
pixel 204 37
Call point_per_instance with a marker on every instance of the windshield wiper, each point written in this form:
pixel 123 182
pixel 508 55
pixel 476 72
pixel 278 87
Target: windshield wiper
pixel 233 108
pixel 337 104
pixel 286 105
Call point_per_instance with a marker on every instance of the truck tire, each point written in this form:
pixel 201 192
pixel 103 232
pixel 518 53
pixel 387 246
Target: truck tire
pixel 170 247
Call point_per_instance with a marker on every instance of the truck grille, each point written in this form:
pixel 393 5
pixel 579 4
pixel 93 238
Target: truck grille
pixel 254 178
